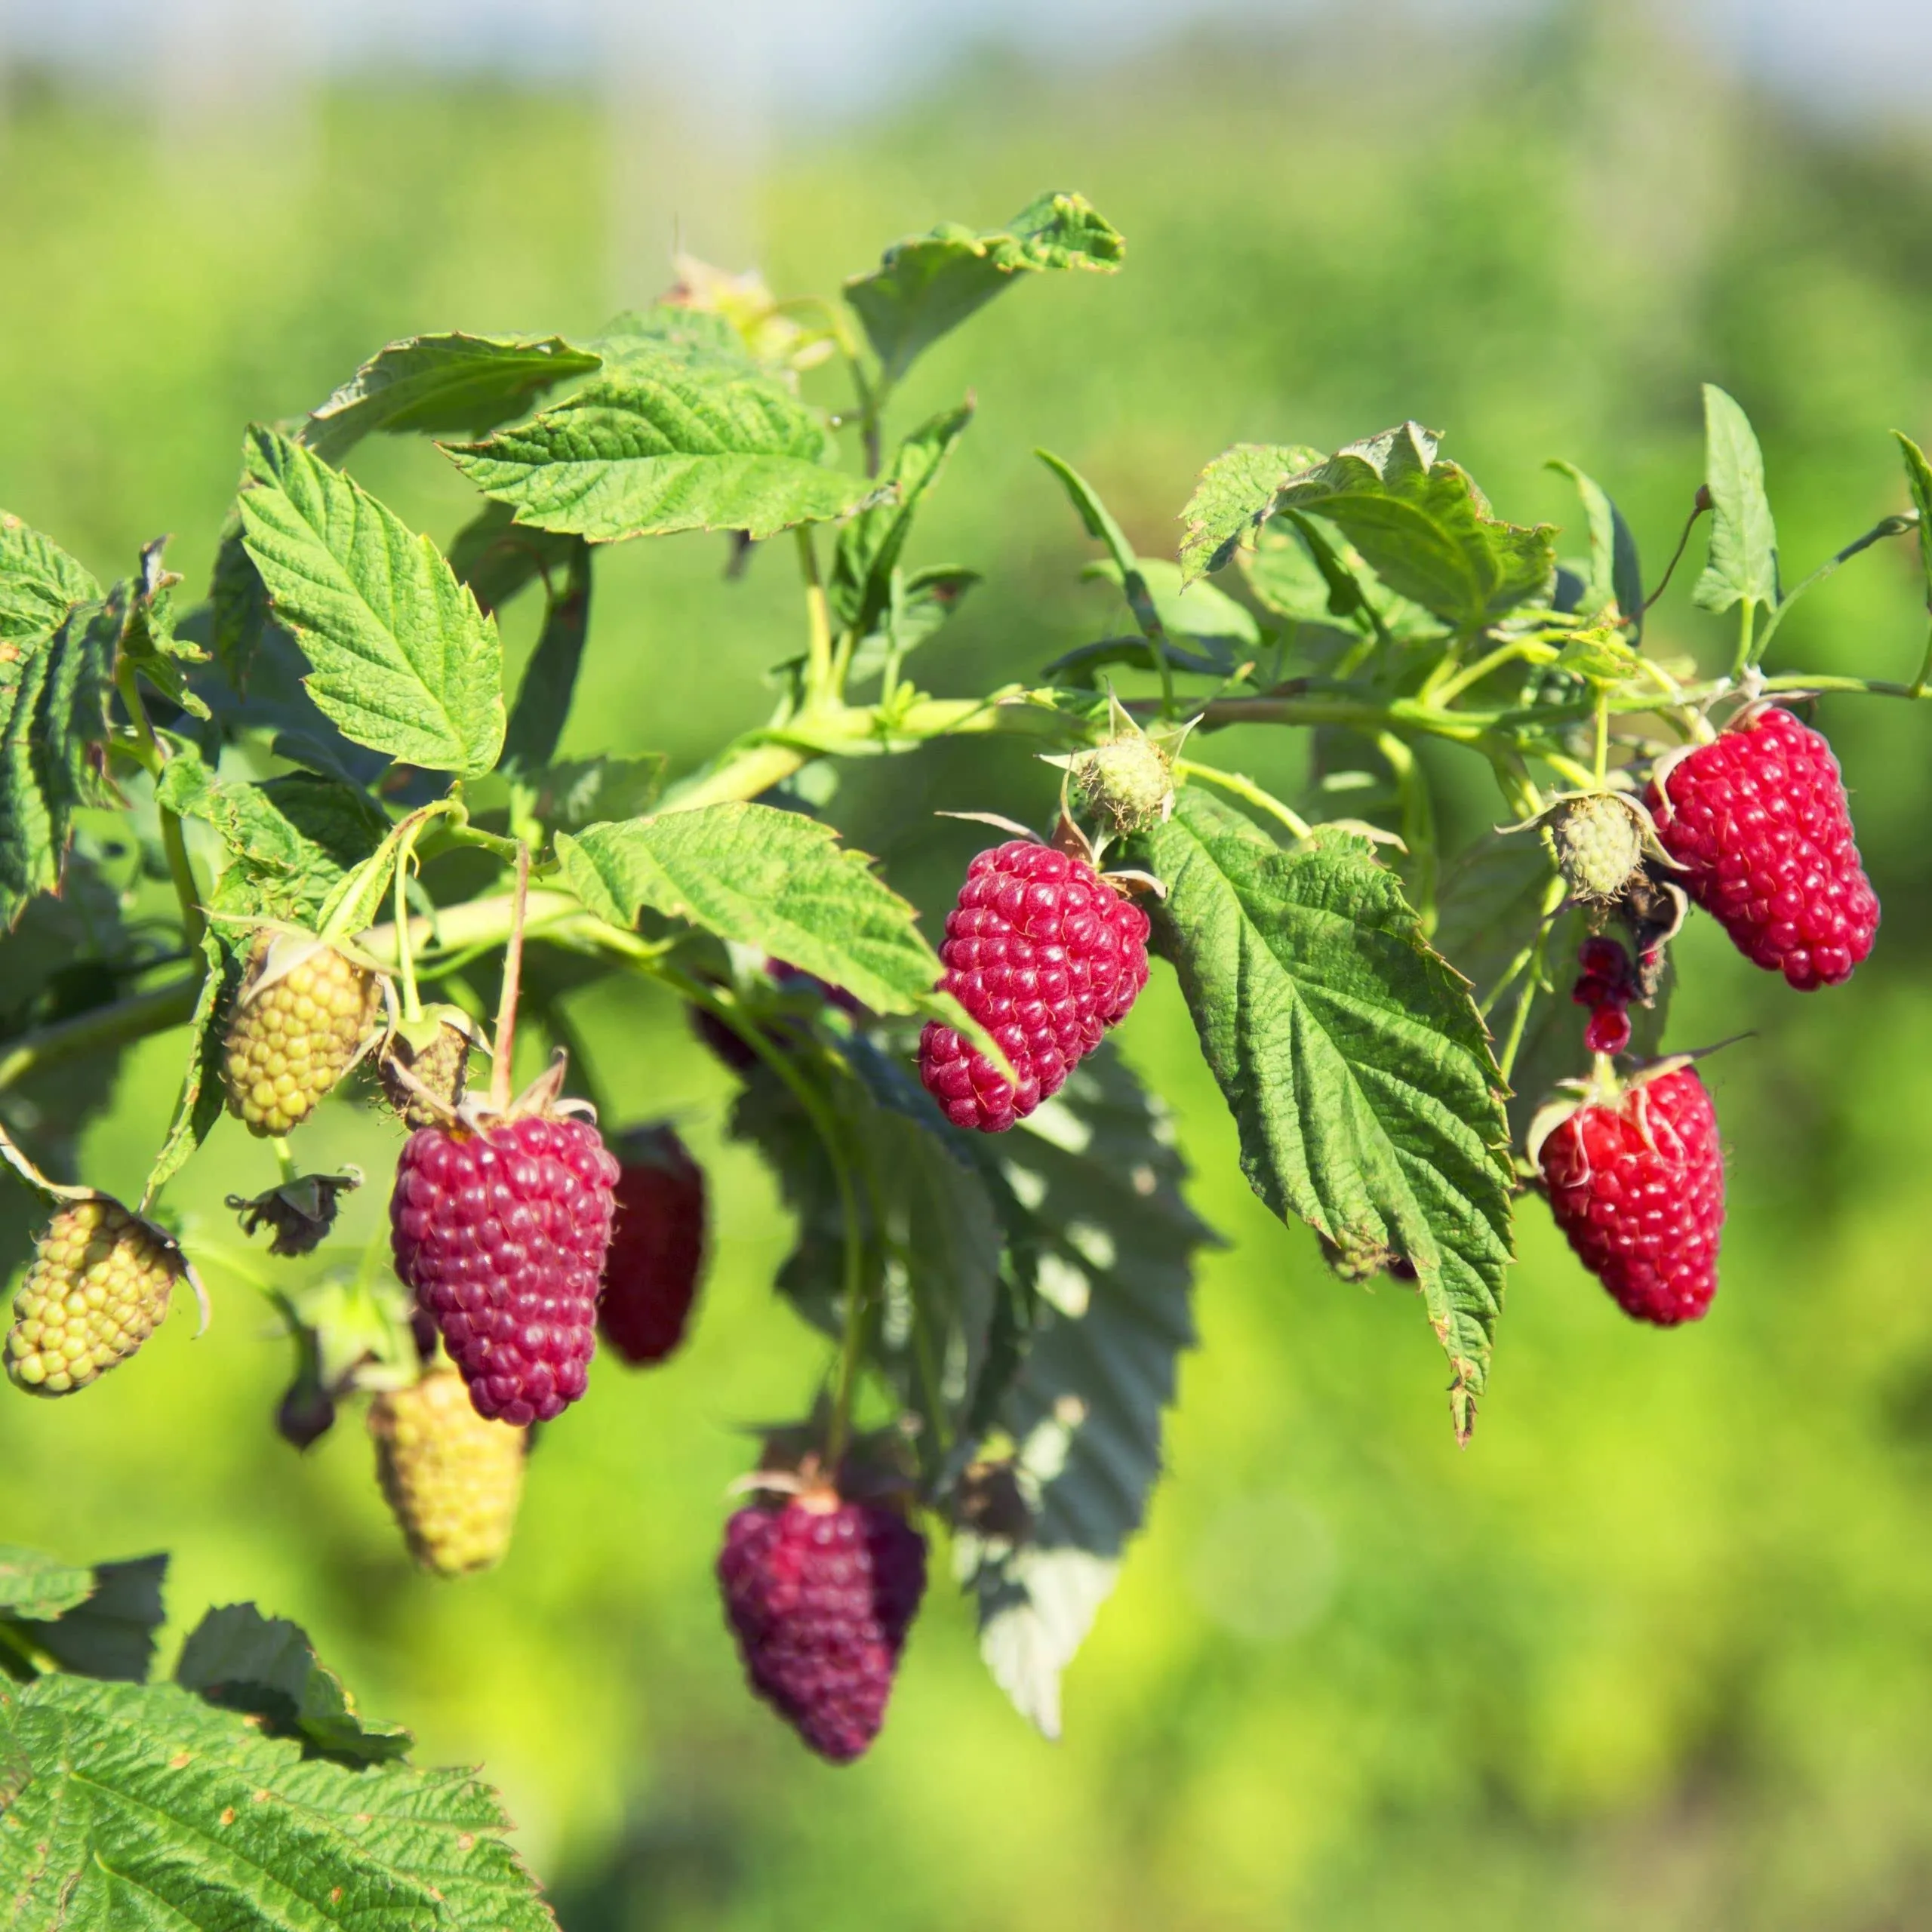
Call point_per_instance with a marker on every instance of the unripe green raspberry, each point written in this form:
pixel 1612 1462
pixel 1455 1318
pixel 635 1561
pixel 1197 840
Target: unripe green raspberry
pixel 437 1058
pixel 1130 781
pixel 1597 840
pixel 303 1014
pixel 452 1480
pixel 97 1288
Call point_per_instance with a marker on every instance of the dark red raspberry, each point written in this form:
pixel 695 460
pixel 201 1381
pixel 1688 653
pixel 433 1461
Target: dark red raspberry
pixel 1046 955
pixel 657 1254
pixel 821 1592
pixel 501 1230
pixel 1609 1029
pixel 1758 820
pixel 1637 1184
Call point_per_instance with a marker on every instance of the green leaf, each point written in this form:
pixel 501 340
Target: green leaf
pixel 40 1587
pixel 768 879
pixel 925 286
pixel 244 1661
pixel 1918 481
pixel 928 598
pixel 1202 611
pixel 701 339
pixel 1310 572
pixel 549 679
pixel 39 582
pixel 661 447
pixel 870 545
pixel 437 383
pixel 54 688
pixel 1743 565
pixel 110 1632
pixel 403 659
pixel 1425 528
pixel 148 1807
pixel 1616 577
pixel 238 604
pixel 1236 495
pixel 576 792
pixel 1358 1073
pixel 497 556
pixel 199 1105
pixel 1110 1243
pixel 286 843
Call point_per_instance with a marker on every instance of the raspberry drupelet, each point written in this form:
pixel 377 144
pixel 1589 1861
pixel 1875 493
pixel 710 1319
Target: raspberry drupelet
pixel 502 1230
pixel 1758 820
pixel 1636 1182
pixel 1045 954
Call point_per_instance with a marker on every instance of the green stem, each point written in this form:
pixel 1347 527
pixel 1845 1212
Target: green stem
pixel 405 953
pixel 1418 820
pixel 1890 526
pixel 1243 788
pixel 1474 674
pixel 1917 688
pixel 1747 618
pixel 285 1159
pixel 1520 1020
pixel 133 1018
pixel 150 755
pixel 1603 740
pixel 710 999
pixel 820 685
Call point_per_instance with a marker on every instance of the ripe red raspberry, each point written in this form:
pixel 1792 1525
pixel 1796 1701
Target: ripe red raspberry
pixel 501 1230
pixel 1046 955
pixel 1637 1184
pixel 1758 820
pixel 820 1592
pixel 657 1253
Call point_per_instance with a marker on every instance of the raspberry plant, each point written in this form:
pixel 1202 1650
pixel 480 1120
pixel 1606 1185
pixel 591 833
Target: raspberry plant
pixel 379 862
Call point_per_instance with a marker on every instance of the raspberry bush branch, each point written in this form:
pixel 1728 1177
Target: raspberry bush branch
pixel 993 1255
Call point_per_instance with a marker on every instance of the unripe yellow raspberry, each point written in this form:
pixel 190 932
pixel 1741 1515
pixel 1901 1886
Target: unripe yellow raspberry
pixel 97 1288
pixel 304 1013
pixel 452 1480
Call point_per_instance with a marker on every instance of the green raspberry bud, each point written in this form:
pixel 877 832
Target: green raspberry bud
pixel 98 1287
pixel 1598 839
pixel 303 1014
pixel 452 1479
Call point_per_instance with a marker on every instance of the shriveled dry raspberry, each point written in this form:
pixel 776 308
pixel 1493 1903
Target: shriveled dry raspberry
pixel 452 1480
pixel 1046 955
pixel 303 1014
pixel 1759 821
pixel 1636 1182
pixel 1608 1031
pixel 97 1288
pixel 821 1592
pixel 650 1277
pixel 501 1230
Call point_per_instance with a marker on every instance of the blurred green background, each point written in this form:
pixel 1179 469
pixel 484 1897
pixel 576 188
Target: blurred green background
pixel 1656 1650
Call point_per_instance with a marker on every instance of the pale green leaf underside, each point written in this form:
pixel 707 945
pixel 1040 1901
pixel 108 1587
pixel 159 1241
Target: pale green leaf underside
pixel 1743 564
pixel 402 659
pixel 1352 1058
pixel 144 1807
pixel 663 447
pixel 34 1586
pixel 1113 1244
pixel 765 879
pixel 1234 494
pixel 925 286
pixel 437 383
pixel 1425 527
